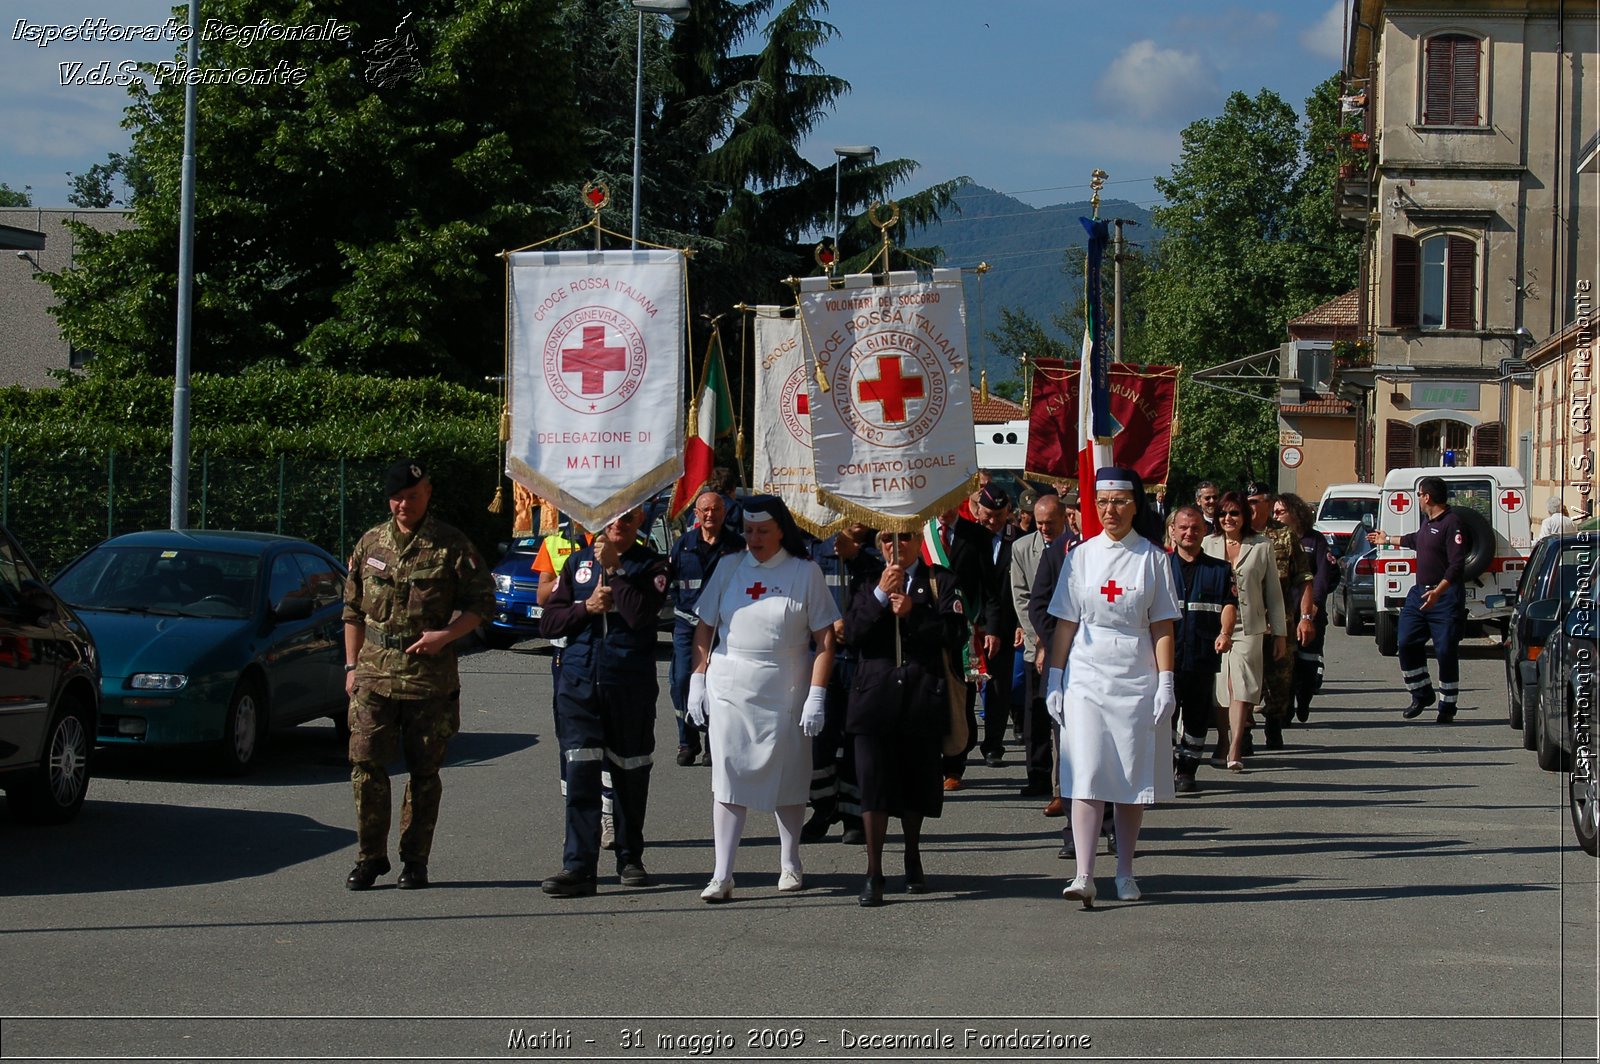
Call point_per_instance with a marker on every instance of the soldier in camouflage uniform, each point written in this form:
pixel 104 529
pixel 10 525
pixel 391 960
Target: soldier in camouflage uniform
pixel 408 577
pixel 1294 577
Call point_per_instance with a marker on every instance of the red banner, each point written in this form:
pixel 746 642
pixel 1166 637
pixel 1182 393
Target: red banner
pixel 1144 399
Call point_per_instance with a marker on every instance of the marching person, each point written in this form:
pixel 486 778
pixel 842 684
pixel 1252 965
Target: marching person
pixel 606 603
pixel 761 689
pixel 416 585
pixel 1049 517
pixel 999 617
pixel 554 550
pixel 1434 606
pixel 1204 634
pixel 1295 581
pixel 902 626
pixel 847 560
pixel 1295 512
pixel 692 560
pixel 1045 579
pixel 1259 631
pixel 1110 681
pixel 1205 497
pixel 963 543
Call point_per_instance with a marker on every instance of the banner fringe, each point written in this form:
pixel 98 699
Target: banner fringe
pixel 596 517
pixel 886 522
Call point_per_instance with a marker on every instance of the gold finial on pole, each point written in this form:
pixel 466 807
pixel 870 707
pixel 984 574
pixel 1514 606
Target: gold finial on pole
pixel 597 195
pixel 983 386
pixel 1097 181
pixel 884 225
pixel 1027 385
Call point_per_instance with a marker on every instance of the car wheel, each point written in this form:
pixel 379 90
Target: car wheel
pixel 1551 757
pixel 1353 624
pixel 55 792
pixel 1336 610
pixel 1583 795
pixel 1386 629
pixel 244 729
pixel 1515 699
pixel 1530 718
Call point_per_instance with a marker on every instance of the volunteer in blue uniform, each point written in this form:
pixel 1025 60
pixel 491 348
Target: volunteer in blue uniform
pixel 1210 608
pixel 846 560
pixel 606 603
pixel 691 562
pixel 1434 607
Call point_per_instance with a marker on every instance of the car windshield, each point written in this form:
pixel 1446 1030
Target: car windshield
pixel 1347 509
pixel 162 580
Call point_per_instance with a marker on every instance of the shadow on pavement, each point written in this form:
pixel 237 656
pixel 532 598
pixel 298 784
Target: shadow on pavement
pixel 115 846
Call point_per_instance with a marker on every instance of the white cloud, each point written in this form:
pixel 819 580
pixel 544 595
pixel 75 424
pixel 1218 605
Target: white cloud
pixel 1325 37
pixel 1150 82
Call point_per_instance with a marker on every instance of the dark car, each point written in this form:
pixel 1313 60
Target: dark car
pixel 211 637
pixel 49 695
pixel 1353 602
pixel 1562 703
pixel 516 587
pixel 1550 575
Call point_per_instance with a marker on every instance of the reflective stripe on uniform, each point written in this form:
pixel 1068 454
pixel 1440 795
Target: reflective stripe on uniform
pixel 629 763
pixel 689 584
pixel 586 753
pixel 1203 607
pixel 686 617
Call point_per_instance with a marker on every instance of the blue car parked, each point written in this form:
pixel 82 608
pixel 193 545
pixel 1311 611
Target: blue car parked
pixel 516 585
pixel 211 638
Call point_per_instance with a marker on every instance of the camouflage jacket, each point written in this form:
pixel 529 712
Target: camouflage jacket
pixel 397 594
pixel 1293 571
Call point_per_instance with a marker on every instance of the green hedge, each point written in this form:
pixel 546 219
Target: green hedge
pixel 298 451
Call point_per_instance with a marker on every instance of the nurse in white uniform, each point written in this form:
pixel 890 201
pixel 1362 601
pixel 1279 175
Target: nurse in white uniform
pixel 1110 679
pixel 760 692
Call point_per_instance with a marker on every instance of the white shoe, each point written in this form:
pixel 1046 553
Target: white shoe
pixel 1128 889
pixel 718 890
pixel 608 832
pixel 791 879
pixel 1081 889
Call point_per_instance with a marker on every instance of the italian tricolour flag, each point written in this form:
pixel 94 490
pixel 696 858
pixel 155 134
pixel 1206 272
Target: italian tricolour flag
pixel 710 419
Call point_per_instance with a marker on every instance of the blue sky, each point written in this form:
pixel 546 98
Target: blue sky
pixel 1024 96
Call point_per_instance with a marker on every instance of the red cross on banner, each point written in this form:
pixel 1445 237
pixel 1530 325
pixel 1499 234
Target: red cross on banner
pixel 802 403
pixel 755 590
pixel 890 390
pixel 1111 591
pixel 1511 500
pixel 593 360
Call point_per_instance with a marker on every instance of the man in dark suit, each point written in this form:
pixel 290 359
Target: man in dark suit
pixel 999 616
pixel 963 543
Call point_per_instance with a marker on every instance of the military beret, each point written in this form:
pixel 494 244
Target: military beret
pixel 1256 488
pixel 993 497
pixel 402 475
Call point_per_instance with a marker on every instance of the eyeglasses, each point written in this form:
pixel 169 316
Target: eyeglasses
pixel 890 537
pixel 1278 511
pixel 1231 513
pixel 1112 504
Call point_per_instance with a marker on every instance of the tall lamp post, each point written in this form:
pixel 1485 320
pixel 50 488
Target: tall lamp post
pixel 840 154
pixel 677 10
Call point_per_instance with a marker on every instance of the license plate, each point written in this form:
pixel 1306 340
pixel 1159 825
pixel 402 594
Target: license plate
pixel 535 612
pixel 1472 593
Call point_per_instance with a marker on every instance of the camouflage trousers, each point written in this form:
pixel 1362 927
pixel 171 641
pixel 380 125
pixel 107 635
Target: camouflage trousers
pixel 1277 687
pixel 380 729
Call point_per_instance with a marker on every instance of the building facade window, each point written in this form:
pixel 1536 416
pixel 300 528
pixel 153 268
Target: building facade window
pixel 1435 282
pixel 1452 65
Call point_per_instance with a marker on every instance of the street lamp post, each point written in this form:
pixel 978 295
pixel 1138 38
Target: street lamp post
pixel 840 154
pixel 677 10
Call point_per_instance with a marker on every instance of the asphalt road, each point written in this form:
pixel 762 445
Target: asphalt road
pixel 1380 889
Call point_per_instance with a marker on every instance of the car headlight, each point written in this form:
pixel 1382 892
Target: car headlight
pixel 158 681
pixel 502 583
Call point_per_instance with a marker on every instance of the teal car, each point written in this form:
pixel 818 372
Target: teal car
pixel 210 639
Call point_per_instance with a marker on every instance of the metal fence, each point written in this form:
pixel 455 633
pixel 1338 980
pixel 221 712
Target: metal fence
pixel 61 507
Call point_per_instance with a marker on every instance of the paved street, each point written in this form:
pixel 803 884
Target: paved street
pixel 1380 889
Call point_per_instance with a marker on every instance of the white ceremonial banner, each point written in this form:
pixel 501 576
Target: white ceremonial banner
pixel 783 465
pixel 597 342
pixel 892 436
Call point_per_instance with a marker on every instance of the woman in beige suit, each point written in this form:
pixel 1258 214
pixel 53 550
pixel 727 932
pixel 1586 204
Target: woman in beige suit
pixel 1255 577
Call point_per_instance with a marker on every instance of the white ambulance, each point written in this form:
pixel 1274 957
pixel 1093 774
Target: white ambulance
pixel 1492 502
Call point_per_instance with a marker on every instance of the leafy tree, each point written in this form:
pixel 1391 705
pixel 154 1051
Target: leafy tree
pixel 10 197
pixel 97 186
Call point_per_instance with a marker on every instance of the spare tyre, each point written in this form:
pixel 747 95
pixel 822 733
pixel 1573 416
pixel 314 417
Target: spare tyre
pixel 1479 536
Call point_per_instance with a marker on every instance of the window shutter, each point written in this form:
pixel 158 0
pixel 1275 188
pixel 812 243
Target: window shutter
pixel 1406 261
pixel 1461 274
pixel 1464 82
pixel 1488 445
pixel 1400 447
pixel 1436 81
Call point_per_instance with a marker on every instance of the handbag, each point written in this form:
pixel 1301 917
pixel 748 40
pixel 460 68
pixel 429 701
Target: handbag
pixel 955 735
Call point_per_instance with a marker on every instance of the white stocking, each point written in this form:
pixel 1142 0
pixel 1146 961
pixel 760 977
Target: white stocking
pixel 789 821
pixel 727 825
pixel 1086 818
pixel 1128 819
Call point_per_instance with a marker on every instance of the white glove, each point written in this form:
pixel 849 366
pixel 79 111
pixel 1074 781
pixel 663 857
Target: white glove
pixel 1166 699
pixel 695 709
pixel 811 715
pixel 1055 695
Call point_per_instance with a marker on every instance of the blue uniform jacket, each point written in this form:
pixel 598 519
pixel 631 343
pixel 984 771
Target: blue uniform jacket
pixel 1205 587
pixel 691 563
pixel 622 646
